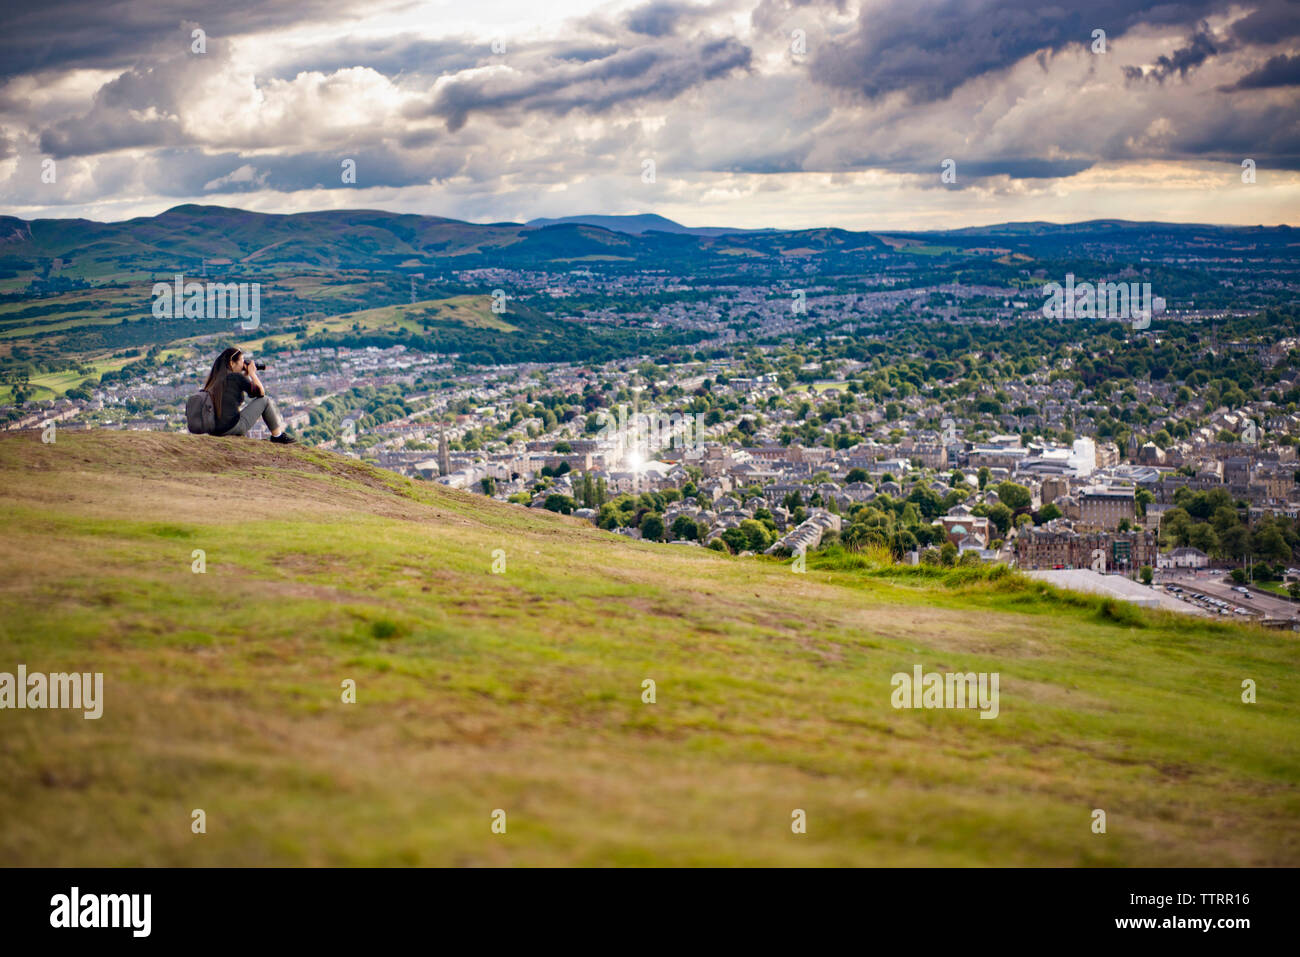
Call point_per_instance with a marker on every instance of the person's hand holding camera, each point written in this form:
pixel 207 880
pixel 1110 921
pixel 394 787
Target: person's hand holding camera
pixel 250 370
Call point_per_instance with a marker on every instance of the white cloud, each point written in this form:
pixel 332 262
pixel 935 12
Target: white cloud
pixel 554 126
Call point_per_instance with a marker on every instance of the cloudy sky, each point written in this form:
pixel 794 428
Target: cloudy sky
pixel 785 113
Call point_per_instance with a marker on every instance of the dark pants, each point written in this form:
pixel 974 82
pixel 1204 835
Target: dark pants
pixel 262 407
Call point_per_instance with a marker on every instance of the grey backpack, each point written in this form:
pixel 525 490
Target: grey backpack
pixel 200 417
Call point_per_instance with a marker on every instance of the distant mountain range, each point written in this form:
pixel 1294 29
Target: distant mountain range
pixel 185 236
pixel 182 238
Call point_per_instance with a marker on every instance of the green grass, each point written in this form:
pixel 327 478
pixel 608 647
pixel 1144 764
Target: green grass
pixel 1273 588
pixel 821 386
pixel 52 385
pixel 523 691
pixel 473 311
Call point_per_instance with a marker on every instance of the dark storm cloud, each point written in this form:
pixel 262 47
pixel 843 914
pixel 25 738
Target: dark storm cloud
pixel 663 18
pixel 658 71
pixel 104 134
pixel 656 19
pixel 1281 70
pixel 191 172
pixel 1269 134
pixel 60 34
pixel 185 172
pixel 138 108
pixel 583 53
pixel 375 166
pixel 1027 168
pixel 1271 21
pixel 928 48
pixel 1200 47
pixel 660 18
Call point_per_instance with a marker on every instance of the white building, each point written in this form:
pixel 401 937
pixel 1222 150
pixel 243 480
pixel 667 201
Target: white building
pixel 1183 558
pixel 1084 458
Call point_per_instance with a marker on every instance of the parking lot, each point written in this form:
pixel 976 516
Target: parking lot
pixel 1213 593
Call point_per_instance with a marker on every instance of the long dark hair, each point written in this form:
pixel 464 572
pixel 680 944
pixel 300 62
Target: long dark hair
pixel 215 386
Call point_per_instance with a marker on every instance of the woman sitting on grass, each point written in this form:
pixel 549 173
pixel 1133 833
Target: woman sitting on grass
pixel 232 377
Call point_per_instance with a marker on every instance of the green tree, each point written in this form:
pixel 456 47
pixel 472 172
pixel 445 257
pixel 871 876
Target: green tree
pixel 1234 542
pixel 1014 496
pixel 1269 544
pixel 1176 527
pixel 1000 516
pixel 652 526
pixel 559 503
pixel 684 528
pixel 1202 536
pixel 757 537
pixel 1046 514
pixel 903 542
pixel 1143 498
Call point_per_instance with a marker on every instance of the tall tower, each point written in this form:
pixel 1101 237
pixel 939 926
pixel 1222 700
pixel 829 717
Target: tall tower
pixel 444 456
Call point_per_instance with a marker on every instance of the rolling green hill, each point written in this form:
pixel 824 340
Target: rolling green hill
pixel 522 691
pixel 179 239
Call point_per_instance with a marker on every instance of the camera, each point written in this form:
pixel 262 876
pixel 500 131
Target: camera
pixel 256 365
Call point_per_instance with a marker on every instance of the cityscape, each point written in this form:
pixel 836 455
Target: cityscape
pixel 985 438
pixel 648 441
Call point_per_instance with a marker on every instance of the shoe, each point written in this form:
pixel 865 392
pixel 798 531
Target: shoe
pixel 284 438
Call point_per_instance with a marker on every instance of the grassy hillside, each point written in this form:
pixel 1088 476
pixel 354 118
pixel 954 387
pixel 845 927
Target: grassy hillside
pixel 472 311
pixel 522 691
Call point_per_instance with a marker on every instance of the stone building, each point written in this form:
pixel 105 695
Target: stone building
pixel 1061 547
pixel 1104 508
